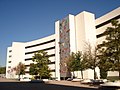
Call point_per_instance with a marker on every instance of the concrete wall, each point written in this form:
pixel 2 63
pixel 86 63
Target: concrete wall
pixel 73 47
pixel 35 47
pixel 87 74
pixel 105 18
pixel 85 30
pixel 57 51
pixel 15 56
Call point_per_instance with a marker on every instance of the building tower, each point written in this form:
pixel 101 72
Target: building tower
pixel 72 33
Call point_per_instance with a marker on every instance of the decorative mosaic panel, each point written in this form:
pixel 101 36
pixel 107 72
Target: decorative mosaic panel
pixel 64 46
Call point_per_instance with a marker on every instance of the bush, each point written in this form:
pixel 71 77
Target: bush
pixel 113 78
pixel 103 74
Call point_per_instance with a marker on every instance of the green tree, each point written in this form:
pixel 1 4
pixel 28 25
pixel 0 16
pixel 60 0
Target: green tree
pixel 112 46
pixel 33 69
pixel 91 57
pixel 104 63
pixel 41 68
pixel 81 61
pixel 76 62
pixel 20 69
pixel 70 63
pixel 2 70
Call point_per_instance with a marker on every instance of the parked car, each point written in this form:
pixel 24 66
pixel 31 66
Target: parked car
pixel 76 79
pixel 105 80
pixel 110 86
pixel 97 82
pixel 25 79
pixel 92 81
pixel 69 79
pixel 37 81
pixel 87 81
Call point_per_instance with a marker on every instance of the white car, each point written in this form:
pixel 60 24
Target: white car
pixel 25 79
pixel 87 81
pixel 110 86
pixel 117 83
pixel 77 80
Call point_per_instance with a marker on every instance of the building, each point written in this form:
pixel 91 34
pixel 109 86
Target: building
pixel 103 22
pixel 23 52
pixel 101 25
pixel 71 35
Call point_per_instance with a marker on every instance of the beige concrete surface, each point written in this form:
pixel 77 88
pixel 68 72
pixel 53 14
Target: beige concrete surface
pixel 7 80
pixel 70 83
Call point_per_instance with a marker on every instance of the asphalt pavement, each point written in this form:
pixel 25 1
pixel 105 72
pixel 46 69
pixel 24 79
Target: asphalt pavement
pixel 6 84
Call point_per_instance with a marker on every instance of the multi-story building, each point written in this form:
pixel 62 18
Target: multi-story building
pixel 101 25
pixel 23 52
pixel 15 54
pixel 71 35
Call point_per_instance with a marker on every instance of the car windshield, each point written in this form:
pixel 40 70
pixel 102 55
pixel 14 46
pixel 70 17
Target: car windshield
pixel 25 78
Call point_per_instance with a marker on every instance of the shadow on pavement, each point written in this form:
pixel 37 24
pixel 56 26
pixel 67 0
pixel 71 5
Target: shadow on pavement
pixel 37 86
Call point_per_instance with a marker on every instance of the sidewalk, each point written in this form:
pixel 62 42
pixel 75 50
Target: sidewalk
pixel 70 83
pixel 7 80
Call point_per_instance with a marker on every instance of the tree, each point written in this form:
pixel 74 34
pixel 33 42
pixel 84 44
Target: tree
pixel 91 57
pixel 33 69
pixel 77 62
pixel 80 62
pixel 20 69
pixel 2 70
pixel 84 63
pixel 112 46
pixel 40 67
pixel 104 63
pixel 70 63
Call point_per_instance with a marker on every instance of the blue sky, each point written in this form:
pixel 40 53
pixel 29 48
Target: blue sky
pixel 27 20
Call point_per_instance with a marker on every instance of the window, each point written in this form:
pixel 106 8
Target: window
pixel 40 44
pixel 10 50
pixel 41 49
pixel 9 61
pixel 10 56
pixel 9 66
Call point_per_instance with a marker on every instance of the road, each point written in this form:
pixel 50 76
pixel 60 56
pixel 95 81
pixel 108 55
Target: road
pixel 12 85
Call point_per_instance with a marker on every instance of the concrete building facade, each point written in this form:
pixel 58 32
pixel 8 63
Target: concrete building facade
pixel 71 35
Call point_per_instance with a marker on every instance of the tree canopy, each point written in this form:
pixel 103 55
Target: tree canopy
pixel 20 69
pixel 110 48
pixel 33 69
pixel 77 62
pixel 2 70
pixel 40 66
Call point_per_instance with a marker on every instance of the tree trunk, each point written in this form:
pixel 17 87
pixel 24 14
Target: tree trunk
pixel 94 74
pixel 40 77
pixel 119 67
pixel 82 74
pixel 73 75
pixel 119 74
pixel 19 77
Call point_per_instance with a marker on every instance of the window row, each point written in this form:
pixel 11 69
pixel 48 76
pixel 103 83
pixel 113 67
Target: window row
pixel 40 44
pixel 41 49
